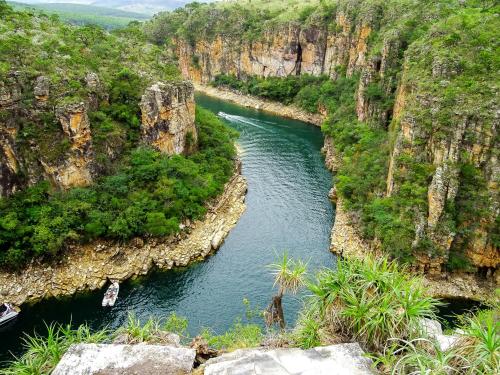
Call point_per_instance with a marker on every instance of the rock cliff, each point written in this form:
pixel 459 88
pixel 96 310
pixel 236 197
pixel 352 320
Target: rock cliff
pixel 281 51
pixel 440 163
pixel 44 137
pixel 168 118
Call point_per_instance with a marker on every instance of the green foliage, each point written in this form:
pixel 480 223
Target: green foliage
pixel 176 324
pixel 150 194
pixel 239 336
pixel 153 330
pixel 476 351
pixel 307 92
pixel 79 14
pixel 197 20
pixel 137 332
pixel 43 353
pixel 424 356
pixel 288 274
pixel 72 52
pixel 370 301
pixel 480 343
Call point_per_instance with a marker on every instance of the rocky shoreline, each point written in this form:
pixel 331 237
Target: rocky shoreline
pixel 346 240
pixel 91 266
pixel 275 108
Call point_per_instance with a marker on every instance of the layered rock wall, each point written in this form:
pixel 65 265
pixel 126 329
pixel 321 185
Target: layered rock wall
pixel 290 49
pixel 168 113
pixel 45 138
pixel 445 143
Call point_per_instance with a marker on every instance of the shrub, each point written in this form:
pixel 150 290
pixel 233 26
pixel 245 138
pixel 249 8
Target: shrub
pixel 239 336
pixel 150 194
pixel 43 353
pixel 369 301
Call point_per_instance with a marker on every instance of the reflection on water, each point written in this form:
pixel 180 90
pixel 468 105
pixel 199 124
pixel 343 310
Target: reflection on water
pixel 287 208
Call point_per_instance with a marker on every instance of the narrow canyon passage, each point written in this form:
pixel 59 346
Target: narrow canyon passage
pixel 287 209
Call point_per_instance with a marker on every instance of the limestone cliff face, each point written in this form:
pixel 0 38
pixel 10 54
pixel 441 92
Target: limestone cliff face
pixel 472 141
pixel 451 144
pixel 64 154
pixel 281 51
pixel 168 113
pixel 45 138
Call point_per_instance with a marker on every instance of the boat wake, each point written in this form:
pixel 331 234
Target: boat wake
pixel 242 120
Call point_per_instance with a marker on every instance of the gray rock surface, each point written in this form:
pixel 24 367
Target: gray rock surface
pixel 433 330
pixel 90 359
pixel 340 359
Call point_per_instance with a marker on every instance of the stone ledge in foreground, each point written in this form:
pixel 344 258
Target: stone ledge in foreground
pixel 342 359
pixel 99 359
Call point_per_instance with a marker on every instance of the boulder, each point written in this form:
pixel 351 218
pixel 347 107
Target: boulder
pixel 90 359
pixel 433 330
pixel 340 359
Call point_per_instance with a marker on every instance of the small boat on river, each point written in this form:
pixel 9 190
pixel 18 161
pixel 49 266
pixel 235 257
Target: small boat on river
pixel 7 313
pixel 111 295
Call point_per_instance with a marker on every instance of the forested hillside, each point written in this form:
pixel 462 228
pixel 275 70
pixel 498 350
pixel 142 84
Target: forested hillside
pixel 78 14
pixel 83 152
pixel 411 92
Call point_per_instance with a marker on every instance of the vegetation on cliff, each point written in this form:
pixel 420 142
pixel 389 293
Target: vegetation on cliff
pixel 41 45
pixel 151 194
pixel 410 88
pixel 81 14
pixel 48 65
pixel 137 190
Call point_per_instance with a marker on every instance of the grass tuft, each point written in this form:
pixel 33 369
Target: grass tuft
pixel 369 301
pixel 43 353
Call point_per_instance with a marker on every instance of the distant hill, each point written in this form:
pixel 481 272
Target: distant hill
pixel 145 6
pixel 81 14
pixel 148 7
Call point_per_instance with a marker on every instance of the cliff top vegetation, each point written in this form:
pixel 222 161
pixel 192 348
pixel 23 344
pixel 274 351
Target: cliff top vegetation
pixel 137 190
pixel 33 45
pixel 81 14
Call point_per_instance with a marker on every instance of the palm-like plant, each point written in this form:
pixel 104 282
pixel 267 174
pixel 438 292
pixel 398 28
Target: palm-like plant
pixel 289 276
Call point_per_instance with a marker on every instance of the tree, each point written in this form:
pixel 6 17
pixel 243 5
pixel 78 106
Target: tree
pixel 289 277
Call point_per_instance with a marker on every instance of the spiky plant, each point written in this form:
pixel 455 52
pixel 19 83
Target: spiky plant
pixel 43 353
pixel 370 301
pixel 480 341
pixel 289 276
pixel 425 356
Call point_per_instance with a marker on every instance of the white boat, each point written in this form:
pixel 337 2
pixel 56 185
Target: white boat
pixel 7 313
pixel 111 295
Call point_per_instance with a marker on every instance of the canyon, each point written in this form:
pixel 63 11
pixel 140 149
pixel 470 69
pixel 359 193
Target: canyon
pixel 419 125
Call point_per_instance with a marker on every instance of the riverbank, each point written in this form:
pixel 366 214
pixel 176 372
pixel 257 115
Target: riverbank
pixel 347 241
pixel 91 266
pixel 288 111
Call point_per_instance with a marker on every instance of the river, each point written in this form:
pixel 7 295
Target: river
pixel 287 209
